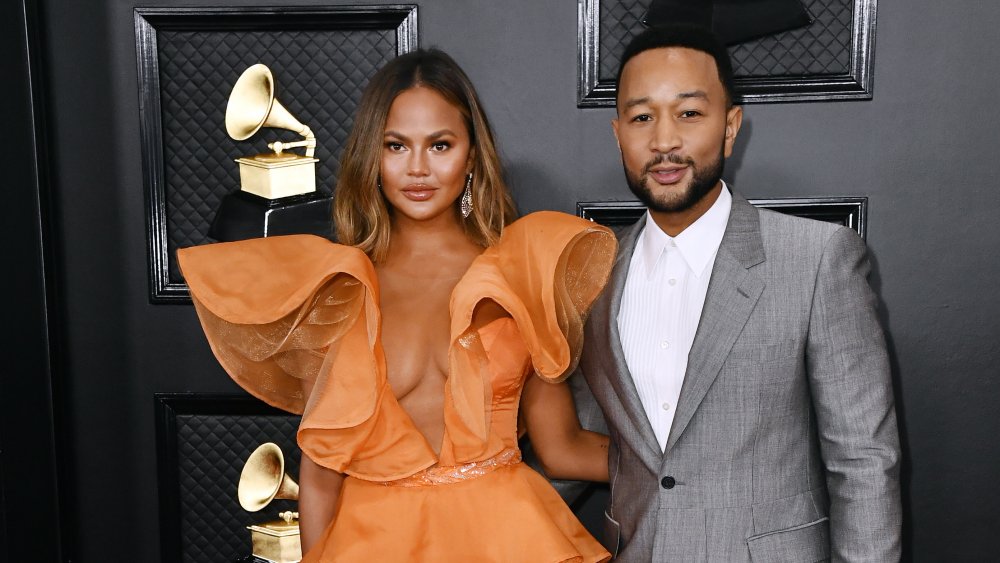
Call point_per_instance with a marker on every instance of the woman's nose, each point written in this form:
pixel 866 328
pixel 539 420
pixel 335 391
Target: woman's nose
pixel 418 164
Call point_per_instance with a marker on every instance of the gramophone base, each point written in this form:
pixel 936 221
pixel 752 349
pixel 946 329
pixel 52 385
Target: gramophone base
pixel 273 176
pixel 244 215
pixel 276 541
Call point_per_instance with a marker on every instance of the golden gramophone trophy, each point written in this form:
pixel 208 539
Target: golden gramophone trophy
pixel 278 174
pixel 262 480
pixel 277 192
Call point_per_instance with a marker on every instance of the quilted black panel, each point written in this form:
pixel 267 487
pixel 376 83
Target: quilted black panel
pixel 319 76
pixel 211 450
pixel 822 48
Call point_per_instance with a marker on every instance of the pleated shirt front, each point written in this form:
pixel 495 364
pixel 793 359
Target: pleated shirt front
pixel 661 306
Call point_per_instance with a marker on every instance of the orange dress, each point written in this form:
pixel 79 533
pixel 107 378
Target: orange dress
pixel 280 309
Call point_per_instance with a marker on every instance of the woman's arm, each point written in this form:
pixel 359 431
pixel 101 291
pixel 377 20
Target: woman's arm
pixel 319 489
pixel 565 450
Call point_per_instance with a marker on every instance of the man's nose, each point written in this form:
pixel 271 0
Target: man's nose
pixel 666 137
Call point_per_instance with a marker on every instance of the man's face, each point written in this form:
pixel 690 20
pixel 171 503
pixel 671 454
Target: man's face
pixel 673 127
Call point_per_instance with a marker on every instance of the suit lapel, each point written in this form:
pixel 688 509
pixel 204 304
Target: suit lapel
pixel 606 313
pixel 732 295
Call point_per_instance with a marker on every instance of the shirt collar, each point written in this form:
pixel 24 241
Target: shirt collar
pixel 696 244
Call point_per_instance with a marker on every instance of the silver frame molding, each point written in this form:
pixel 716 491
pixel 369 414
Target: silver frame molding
pixel 400 17
pixel 168 408
pixel 856 84
pixel 851 212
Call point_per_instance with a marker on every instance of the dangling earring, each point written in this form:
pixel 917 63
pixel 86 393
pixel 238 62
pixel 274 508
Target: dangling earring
pixel 467 196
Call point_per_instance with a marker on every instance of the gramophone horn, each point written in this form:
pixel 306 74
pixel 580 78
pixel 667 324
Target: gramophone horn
pixel 263 479
pixel 252 105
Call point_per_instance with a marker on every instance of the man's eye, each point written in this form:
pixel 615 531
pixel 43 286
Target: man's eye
pixel 642 117
pixel 690 113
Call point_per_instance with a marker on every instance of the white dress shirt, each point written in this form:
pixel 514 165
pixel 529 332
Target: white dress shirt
pixel 661 306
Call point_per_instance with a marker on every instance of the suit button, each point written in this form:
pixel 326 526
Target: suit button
pixel 668 482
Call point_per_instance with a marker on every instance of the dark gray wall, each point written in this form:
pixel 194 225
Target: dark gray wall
pixel 922 151
pixel 29 504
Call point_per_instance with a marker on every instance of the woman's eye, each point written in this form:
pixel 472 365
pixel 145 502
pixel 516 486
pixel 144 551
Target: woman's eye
pixel 394 146
pixel 440 146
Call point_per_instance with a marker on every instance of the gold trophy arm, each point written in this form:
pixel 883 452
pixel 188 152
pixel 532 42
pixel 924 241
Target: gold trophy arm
pixel 309 143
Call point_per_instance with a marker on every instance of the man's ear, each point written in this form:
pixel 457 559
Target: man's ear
pixel 734 119
pixel 614 128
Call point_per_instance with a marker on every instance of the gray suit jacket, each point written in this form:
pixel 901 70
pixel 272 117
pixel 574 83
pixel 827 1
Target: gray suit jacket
pixel 784 444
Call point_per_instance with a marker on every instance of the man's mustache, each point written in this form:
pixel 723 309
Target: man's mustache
pixel 672 158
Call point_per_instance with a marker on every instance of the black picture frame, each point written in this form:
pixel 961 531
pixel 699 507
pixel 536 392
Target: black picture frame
pixel 165 287
pixel 851 212
pixel 854 45
pixel 171 409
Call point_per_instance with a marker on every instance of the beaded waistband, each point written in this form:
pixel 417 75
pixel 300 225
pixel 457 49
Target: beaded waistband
pixel 444 475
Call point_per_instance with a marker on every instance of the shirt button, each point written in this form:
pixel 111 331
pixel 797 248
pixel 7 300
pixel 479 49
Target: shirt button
pixel 672 281
pixel 664 344
pixel 668 482
pixel 666 406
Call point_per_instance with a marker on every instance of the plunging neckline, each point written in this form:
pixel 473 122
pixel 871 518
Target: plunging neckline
pixel 409 419
pixel 435 453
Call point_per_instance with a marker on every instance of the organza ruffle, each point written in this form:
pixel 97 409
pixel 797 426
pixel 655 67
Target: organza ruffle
pixel 270 333
pixel 309 345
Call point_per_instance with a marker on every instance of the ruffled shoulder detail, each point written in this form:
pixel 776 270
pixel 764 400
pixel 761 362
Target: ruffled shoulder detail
pixel 272 307
pixel 294 320
pixel 552 266
pixel 545 272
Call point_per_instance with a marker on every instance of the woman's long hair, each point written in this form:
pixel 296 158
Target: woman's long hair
pixel 360 211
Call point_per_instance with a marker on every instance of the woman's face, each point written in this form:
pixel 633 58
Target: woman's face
pixel 426 155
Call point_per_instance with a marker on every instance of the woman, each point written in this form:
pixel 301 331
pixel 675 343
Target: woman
pixel 408 348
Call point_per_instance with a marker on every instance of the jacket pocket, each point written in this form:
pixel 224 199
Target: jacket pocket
pixel 612 535
pixel 805 543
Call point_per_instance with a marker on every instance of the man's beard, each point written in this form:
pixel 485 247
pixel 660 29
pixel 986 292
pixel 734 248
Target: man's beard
pixel 703 179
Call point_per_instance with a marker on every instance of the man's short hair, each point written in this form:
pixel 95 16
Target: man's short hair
pixel 685 36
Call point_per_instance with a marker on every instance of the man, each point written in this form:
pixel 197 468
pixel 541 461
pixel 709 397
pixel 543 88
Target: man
pixel 736 354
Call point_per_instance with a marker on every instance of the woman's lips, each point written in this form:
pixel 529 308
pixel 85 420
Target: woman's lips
pixel 667 176
pixel 418 192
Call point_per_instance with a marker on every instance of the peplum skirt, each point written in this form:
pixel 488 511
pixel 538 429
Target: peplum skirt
pixel 507 513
